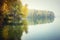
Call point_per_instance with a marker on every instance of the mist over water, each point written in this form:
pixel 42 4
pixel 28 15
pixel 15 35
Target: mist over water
pixel 40 26
pixel 46 31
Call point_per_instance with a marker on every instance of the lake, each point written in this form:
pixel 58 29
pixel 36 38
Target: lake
pixel 49 31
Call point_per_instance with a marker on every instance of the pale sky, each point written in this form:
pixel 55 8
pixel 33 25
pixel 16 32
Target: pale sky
pixel 50 5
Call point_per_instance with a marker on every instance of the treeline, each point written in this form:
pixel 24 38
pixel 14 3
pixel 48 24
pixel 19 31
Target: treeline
pixel 40 16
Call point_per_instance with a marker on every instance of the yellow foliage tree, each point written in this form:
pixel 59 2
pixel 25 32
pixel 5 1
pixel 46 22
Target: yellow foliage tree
pixel 25 10
pixel 16 7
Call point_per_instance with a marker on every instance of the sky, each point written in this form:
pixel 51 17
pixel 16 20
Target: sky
pixel 49 5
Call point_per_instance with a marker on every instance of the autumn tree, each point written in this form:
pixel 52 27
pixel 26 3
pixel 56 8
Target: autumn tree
pixel 14 25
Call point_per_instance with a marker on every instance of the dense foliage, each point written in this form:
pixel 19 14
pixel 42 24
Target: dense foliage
pixel 14 19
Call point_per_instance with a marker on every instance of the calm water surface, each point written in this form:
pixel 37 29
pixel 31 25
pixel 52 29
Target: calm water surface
pixel 48 31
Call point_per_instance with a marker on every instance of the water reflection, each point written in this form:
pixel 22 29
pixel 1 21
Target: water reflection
pixel 15 32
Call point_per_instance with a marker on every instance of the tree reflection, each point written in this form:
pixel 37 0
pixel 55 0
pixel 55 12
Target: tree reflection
pixel 15 32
